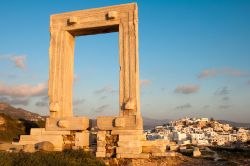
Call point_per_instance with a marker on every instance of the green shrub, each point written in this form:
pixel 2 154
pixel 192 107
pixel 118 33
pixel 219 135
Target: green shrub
pixel 14 128
pixel 65 158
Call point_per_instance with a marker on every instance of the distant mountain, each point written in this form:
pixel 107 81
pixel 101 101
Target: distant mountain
pixel 235 124
pixel 149 123
pixel 19 113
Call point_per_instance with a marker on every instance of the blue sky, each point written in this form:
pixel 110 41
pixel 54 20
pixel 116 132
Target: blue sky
pixel 194 58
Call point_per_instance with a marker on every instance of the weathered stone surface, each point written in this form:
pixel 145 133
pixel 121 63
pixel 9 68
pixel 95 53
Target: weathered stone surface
pixel 101 137
pixel 63 123
pixel 109 154
pixel 196 152
pixel 2 121
pixel 158 142
pixel 48 132
pixel 154 149
pixel 119 122
pixel 101 143
pixel 174 147
pixel 111 144
pixel 131 143
pixel 56 140
pixel 67 123
pixel 42 131
pixel 62 128
pixel 7 146
pixel 45 146
pixel 65 27
pixel 126 132
pixel 129 150
pixel 105 122
pixel 100 154
pixel 183 148
pixel 101 149
pixel 165 154
pixel 36 131
pixel 130 137
pixel 100 132
pixel 82 139
pixel 126 155
pixel 29 148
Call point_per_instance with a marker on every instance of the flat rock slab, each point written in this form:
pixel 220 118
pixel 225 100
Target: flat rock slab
pixel 8 146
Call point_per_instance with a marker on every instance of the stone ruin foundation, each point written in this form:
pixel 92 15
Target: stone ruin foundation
pixel 118 136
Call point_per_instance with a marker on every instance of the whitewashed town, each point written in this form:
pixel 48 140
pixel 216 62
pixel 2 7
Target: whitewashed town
pixel 200 132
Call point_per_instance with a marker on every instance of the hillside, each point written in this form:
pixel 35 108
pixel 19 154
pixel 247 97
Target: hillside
pixel 149 123
pixel 16 121
pixel 19 113
pixel 10 128
pixel 235 124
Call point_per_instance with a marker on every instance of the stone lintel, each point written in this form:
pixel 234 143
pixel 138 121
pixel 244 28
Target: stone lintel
pixel 71 123
pixel 105 122
pixel 118 123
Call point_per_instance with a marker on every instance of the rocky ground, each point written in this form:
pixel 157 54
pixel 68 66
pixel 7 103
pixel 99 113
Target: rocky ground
pixel 179 160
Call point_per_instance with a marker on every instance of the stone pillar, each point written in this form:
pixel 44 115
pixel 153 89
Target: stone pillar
pixel 61 73
pixel 129 65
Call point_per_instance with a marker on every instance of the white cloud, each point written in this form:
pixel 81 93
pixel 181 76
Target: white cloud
pixel 43 102
pixel 185 106
pixel 78 102
pixel 220 72
pixel 224 106
pixel 106 89
pixel 102 108
pixel 23 90
pixel 19 61
pixel 15 101
pixel 76 78
pixel 145 82
pixel 222 91
pixel 226 98
pixel 187 89
pixel 208 73
pixel 206 106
